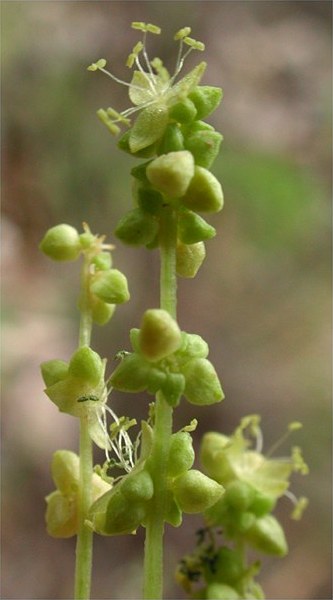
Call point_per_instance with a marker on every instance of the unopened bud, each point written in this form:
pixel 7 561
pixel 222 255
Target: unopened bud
pixel 61 242
pixel 159 334
pixel 171 173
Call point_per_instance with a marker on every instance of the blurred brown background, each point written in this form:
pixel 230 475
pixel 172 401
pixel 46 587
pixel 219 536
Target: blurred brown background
pixel 261 299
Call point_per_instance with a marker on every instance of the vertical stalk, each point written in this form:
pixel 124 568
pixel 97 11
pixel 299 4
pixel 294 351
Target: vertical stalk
pixel 84 543
pixel 153 561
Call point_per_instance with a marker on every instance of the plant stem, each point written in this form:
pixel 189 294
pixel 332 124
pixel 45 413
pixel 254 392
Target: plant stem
pixel 84 543
pixel 153 562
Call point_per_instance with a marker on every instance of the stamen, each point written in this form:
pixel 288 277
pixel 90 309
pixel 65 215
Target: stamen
pixel 294 426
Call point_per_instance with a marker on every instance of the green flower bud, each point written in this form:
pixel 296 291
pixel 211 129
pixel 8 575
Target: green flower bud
pixel 86 365
pixel 192 228
pixel 172 141
pixel 102 261
pixel 101 311
pixel 189 258
pixel 181 454
pixel 239 495
pixel 262 503
pixel 195 492
pixel 123 144
pixel 61 515
pixel 173 387
pixel 131 375
pixel 267 535
pixel 159 334
pixel 221 591
pixel 204 145
pixel 61 242
pixel 110 286
pixel 183 112
pixel 137 228
pixel 150 201
pixel 138 486
pixel 202 383
pixel 171 173
pixel 204 193
pixel 206 99
pixel 229 566
pixel 87 239
pixel 65 470
pixel 156 380
pixel 53 371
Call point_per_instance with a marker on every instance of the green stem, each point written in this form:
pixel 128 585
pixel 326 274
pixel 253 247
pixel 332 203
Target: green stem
pixel 153 562
pixel 84 543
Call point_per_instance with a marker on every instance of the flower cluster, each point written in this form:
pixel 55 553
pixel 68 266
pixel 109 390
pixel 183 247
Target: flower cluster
pixel 170 128
pixel 167 361
pixel 122 509
pixel 253 483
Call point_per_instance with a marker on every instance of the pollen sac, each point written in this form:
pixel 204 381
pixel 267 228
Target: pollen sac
pixel 171 173
pixel 181 454
pixel 86 365
pixel 192 228
pixel 110 286
pixel 206 99
pixel 204 193
pixel 137 228
pixel 195 492
pixel 159 334
pixel 268 536
pixel 202 383
pixel 61 242
pixel 189 258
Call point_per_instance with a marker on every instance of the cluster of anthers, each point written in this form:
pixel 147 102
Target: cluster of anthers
pixel 152 85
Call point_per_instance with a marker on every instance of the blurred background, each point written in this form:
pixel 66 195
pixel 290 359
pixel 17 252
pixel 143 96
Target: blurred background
pixel 261 299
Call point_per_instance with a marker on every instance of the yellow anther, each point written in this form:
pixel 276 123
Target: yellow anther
pixel 182 33
pixel 194 44
pixel 100 64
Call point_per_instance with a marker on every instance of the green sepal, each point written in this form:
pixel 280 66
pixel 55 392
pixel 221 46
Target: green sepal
pixel 189 258
pixel 114 514
pixel 61 515
pixel 181 454
pixel 193 346
pixel 192 228
pixel 101 312
pixel 183 111
pixel 123 144
pixel 138 486
pixel 229 566
pixel 139 172
pixel 171 173
pixel 221 591
pixel 61 242
pixel 102 261
pixel 149 201
pixel 172 141
pixel 86 365
pixel 148 128
pixel 195 492
pixel 173 514
pixel 156 380
pixel 239 495
pixel 202 383
pixel 262 503
pixel 204 193
pixel 131 375
pixel 137 228
pixel 173 388
pixel 204 145
pixel 65 470
pixel 110 286
pixel 206 99
pixel 54 371
pixel 134 338
pixel 267 535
